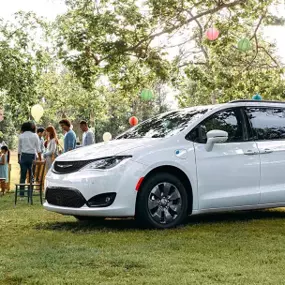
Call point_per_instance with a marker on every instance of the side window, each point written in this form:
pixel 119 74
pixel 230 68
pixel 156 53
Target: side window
pixel 227 120
pixel 267 123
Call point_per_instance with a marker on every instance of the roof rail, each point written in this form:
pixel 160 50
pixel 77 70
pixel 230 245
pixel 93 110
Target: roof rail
pixel 256 101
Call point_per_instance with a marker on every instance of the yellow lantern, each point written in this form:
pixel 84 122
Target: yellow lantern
pixel 37 112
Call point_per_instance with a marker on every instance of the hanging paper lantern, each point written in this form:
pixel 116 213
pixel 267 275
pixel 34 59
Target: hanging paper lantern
pixel 37 112
pixel 212 34
pixel 244 44
pixel 146 95
pixel 107 137
pixel 257 97
pixel 133 121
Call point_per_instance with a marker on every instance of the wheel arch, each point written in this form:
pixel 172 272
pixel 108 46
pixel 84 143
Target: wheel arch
pixel 179 174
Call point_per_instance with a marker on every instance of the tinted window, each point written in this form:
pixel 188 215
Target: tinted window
pixel 267 123
pixel 164 125
pixel 227 120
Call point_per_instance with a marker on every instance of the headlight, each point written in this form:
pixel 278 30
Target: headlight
pixel 105 163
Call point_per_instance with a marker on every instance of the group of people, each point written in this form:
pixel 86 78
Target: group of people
pixel 42 143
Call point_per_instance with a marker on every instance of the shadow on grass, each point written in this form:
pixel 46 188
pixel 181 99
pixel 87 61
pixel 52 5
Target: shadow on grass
pixel 130 224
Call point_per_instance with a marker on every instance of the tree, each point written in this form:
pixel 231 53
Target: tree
pixel 220 72
pixel 21 62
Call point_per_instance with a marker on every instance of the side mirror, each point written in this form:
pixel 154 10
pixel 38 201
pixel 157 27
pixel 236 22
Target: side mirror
pixel 215 136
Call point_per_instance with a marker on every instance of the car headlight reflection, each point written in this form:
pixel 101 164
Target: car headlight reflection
pixel 105 163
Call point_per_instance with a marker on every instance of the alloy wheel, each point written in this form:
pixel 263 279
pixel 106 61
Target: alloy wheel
pixel 164 203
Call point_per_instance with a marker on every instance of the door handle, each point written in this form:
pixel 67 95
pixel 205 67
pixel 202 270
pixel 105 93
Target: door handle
pixel 266 150
pixel 251 152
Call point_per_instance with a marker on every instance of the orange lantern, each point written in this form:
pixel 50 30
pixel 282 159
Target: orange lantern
pixel 133 121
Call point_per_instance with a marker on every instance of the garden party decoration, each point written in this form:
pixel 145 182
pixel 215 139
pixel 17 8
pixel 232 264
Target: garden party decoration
pixel 212 34
pixel 133 121
pixel 37 112
pixel 244 44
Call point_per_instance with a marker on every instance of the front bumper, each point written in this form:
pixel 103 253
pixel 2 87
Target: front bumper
pixel 112 211
pixel 122 180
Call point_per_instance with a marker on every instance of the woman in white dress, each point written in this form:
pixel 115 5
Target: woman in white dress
pixel 52 146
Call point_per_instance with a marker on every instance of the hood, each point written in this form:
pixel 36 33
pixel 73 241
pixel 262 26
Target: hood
pixel 111 148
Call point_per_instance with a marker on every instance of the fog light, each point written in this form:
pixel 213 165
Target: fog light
pixel 102 200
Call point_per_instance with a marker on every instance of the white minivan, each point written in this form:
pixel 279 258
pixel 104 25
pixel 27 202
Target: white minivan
pixel 187 162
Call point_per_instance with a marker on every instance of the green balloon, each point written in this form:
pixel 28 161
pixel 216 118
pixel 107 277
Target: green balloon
pixel 146 95
pixel 244 44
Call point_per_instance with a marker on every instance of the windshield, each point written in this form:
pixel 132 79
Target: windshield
pixel 164 125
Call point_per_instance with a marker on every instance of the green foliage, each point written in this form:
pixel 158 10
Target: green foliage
pixel 93 62
pixel 21 62
pixel 221 72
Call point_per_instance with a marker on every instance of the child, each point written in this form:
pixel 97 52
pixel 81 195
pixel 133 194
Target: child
pixel 4 165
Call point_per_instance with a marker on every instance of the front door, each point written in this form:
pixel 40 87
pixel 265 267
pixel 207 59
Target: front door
pixel 229 175
pixel 268 126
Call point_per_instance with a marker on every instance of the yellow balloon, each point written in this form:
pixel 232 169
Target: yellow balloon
pixel 107 137
pixel 37 112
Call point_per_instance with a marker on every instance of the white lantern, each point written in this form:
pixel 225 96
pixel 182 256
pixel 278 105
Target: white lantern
pixel 107 137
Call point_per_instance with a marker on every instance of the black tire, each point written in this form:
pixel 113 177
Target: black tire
pixel 144 215
pixel 88 218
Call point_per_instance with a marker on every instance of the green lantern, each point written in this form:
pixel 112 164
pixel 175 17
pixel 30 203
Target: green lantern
pixel 244 44
pixel 146 95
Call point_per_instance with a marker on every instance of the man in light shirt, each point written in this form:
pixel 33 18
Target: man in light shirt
pixel 88 136
pixel 28 149
pixel 40 133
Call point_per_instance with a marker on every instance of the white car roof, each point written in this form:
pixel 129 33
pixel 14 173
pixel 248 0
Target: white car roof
pixel 261 103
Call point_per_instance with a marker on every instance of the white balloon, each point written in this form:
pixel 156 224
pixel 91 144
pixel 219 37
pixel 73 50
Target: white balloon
pixel 37 112
pixel 107 137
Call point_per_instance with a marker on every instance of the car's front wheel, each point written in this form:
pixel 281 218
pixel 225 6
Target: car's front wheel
pixel 162 201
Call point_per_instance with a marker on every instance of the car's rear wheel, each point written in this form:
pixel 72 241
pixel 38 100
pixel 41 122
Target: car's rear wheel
pixel 89 218
pixel 162 202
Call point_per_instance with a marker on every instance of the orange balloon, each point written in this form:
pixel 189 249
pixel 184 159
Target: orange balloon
pixel 133 121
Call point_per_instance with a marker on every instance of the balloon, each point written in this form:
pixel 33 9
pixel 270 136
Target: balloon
pixel 37 112
pixel 257 97
pixel 212 34
pixel 146 95
pixel 107 137
pixel 244 44
pixel 133 121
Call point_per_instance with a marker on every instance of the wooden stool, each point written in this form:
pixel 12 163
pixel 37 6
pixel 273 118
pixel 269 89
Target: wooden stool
pixel 35 185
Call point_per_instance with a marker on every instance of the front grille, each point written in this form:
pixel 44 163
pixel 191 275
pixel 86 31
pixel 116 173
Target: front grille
pixel 65 197
pixel 65 167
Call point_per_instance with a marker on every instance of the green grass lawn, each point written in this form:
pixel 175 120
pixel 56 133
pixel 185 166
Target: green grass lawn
pixel 38 247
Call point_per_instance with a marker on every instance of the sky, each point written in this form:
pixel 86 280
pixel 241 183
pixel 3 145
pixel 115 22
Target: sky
pixel 46 8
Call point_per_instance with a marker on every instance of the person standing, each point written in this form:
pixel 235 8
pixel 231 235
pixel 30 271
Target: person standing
pixel 70 137
pixel 52 146
pixel 88 136
pixel 40 133
pixel 4 168
pixel 28 149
